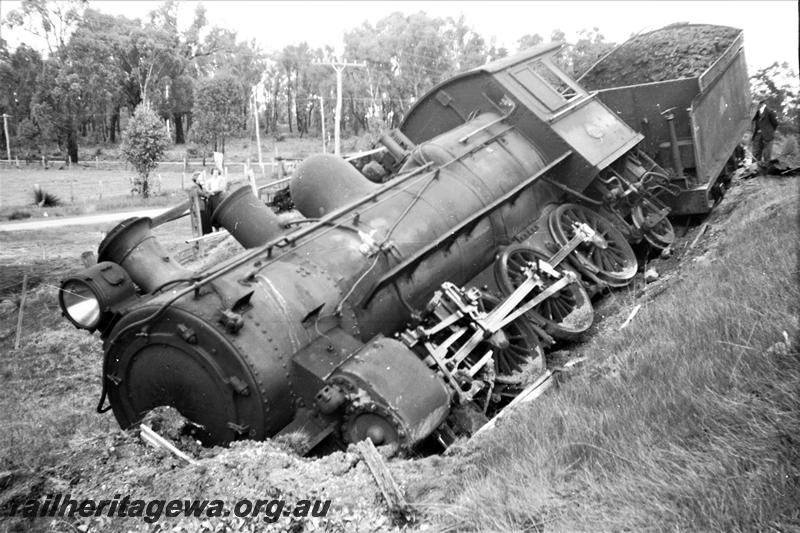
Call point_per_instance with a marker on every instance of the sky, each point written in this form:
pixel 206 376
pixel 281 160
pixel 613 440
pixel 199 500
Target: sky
pixel 770 27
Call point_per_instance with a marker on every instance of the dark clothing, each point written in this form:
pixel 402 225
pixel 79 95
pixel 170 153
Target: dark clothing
pixel 763 128
pixel 765 123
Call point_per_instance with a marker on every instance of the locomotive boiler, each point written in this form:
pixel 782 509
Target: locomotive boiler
pixel 391 311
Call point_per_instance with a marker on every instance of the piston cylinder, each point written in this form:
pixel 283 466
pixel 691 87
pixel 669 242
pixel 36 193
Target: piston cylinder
pixel 247 218
pixel 324 183
pixel 132 246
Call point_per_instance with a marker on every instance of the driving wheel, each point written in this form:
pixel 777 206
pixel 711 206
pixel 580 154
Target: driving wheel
pixel 515 347
pixel 566 314
pixel 608 255
pixel 659 236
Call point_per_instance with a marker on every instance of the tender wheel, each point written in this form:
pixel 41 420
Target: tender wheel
pixel 516 348
pixel 566 314
pixel 608 256
pixel 659 236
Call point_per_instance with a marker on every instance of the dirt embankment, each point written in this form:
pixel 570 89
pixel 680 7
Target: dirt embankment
pixel 91 461
pixel 674 52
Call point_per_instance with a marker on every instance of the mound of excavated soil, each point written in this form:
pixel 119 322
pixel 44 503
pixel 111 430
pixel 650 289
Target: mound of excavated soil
pixel 673 52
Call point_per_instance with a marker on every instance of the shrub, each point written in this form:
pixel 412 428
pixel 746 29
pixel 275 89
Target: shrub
pixel 143 143
pixel 19 215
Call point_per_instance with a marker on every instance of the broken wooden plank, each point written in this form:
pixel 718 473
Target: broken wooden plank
pixel 700 233
pixel 157 441
pixel 222 232
pixel 630 316
pixel 531 392
pixel 21 310
pixel 391 492
pixel 173 213
pixel 195 216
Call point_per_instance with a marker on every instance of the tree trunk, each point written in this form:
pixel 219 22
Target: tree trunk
pixel 72 145
pixel 354 115
pixel 178 128
pixel 289 101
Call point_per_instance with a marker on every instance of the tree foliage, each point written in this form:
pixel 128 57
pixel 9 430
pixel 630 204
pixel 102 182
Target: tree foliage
pixel 143 144
pixel 205 81
pixel 217 110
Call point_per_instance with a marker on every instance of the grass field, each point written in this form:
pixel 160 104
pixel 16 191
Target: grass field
pixel 687 420
pixel 105 184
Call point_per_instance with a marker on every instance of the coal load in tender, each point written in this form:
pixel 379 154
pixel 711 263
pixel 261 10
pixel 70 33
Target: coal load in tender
pixel 673 52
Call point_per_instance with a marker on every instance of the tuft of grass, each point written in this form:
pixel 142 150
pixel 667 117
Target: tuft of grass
pixel 42 198
pixel 687 420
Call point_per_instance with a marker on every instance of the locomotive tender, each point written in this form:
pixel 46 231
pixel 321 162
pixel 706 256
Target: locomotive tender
pixel 401 312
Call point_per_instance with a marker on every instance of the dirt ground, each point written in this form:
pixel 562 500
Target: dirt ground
pixel 74 450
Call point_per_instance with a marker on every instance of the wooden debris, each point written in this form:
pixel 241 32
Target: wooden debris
pixel 391 492
pixel 573 362
pixel 21 310
pixel 700 233
pixel 531 392
pixel 221 233
pixel 630 316
pixel 157 441
pixel 5 478
pixel 173 213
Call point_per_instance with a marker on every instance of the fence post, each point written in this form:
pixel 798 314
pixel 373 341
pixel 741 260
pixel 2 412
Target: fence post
pixel 194 216
pixel 101 188
pixel 251 177
pixel 96 162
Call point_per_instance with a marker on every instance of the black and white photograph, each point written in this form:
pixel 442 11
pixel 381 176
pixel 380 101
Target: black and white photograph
pixel 399 266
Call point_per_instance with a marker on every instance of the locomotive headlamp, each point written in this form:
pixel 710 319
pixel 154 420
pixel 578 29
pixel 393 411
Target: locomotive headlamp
pixel 88 299
pixel 80 304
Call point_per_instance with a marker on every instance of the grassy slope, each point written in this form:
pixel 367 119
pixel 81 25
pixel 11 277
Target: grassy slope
pixel 687 420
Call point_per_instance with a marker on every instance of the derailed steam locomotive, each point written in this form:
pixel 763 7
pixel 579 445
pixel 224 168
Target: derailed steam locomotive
pixel 402 311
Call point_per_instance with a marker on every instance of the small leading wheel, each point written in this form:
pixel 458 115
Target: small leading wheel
pixel 566 314
pixel 516 346
pixel 659 236
pixel 608 255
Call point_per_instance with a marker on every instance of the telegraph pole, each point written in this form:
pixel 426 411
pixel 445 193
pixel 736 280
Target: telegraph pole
pixel 258 132
pixel 322 118
pixel 8 142
pixel 339 67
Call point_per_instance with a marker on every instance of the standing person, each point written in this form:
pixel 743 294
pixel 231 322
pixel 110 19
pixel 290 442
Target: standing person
pixel 764 124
